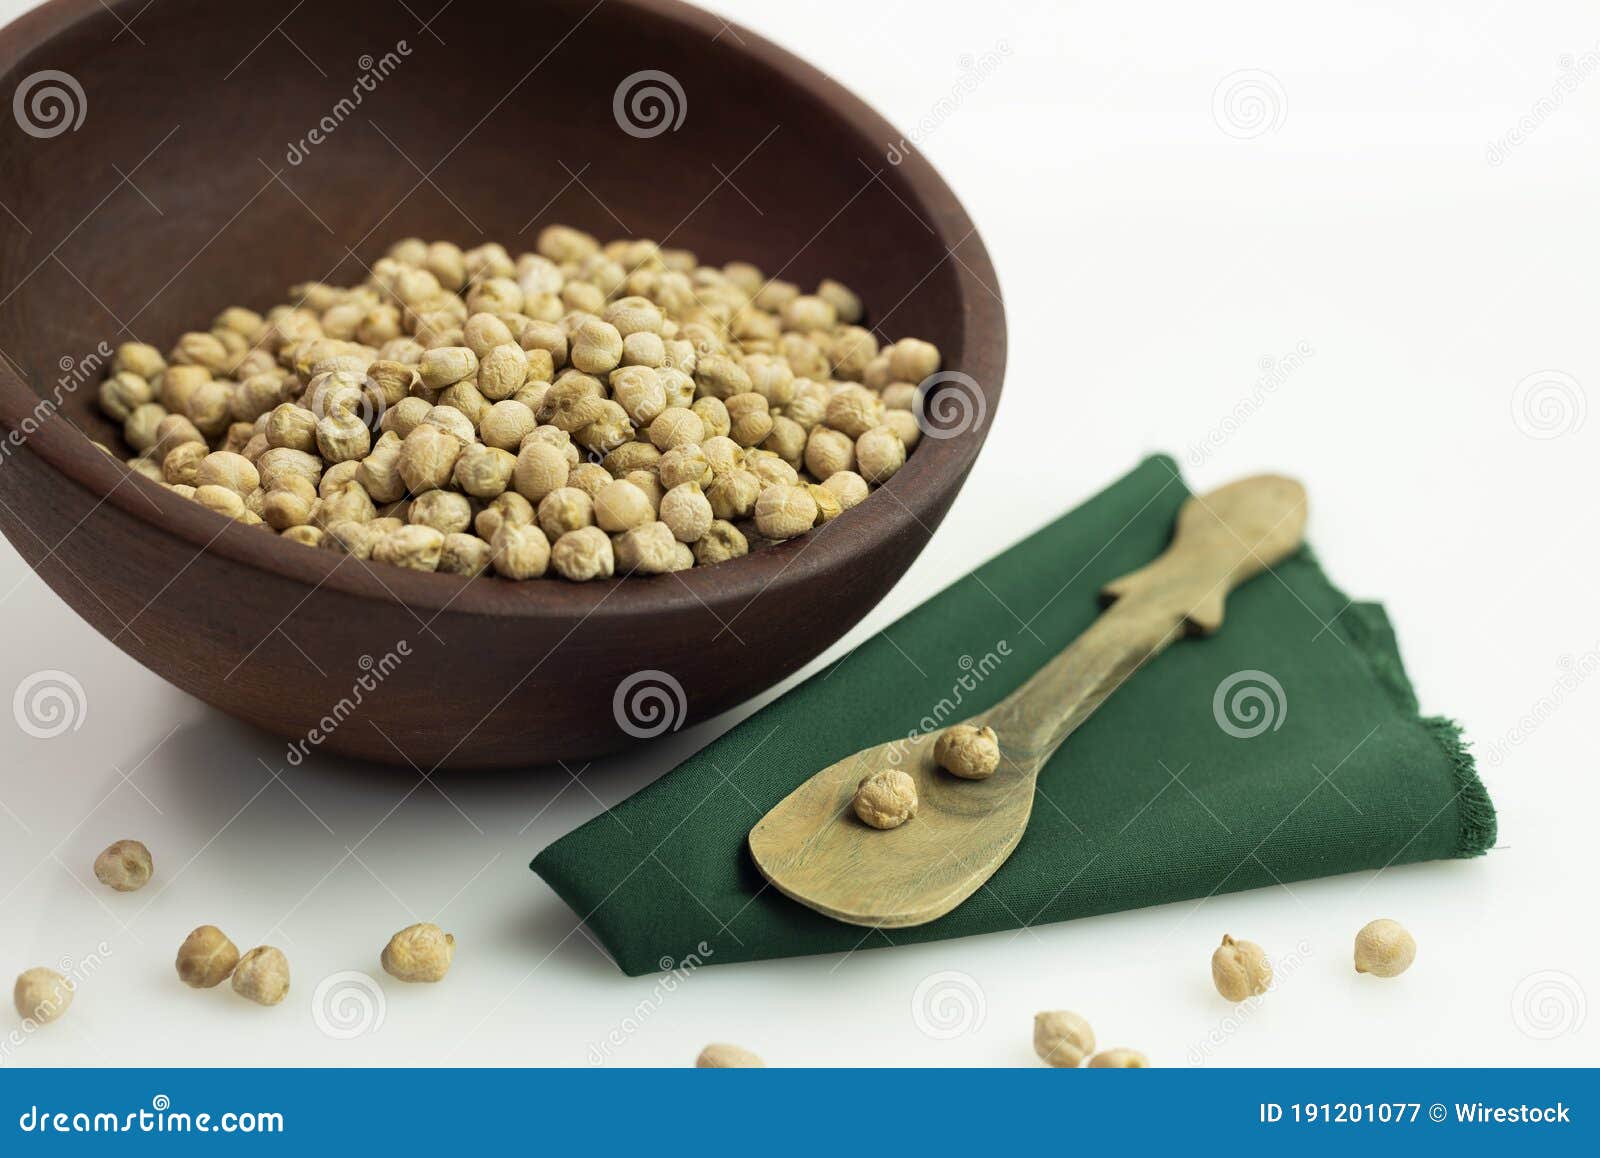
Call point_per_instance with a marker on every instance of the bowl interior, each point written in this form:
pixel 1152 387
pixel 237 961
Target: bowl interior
pixel 220 160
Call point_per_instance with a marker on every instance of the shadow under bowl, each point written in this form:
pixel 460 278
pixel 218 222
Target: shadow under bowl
pixel 221 158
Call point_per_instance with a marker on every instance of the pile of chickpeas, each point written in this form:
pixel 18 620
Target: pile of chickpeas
pixel 586 409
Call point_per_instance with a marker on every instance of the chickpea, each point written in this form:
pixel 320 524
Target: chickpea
pixel 206 958
pixel 262 975
pixel 41 995
pixel 622 506
pixel 1062 1039
pixel 885 799
pixel 124 865
pixel 687 512
pixel 583 554
pixel 1240 969
pixel 720 1056
pixel 520 551
pixel 420 952
pixel 968 752
pixel 782 512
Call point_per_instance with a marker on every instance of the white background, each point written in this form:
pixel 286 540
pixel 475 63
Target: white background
pixel 1152 254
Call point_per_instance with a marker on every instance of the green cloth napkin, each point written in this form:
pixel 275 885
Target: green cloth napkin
pixel 1287 746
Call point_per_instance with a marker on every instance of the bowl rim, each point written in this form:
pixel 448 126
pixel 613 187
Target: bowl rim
pixel 920 491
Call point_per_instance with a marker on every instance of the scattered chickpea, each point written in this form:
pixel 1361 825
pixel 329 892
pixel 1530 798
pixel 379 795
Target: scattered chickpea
pixel 1384 948
pixel 41 995
pixel 886 799
pixel 1062 1039
pixel 721 1056
pixel 420 952
pixel 1119 1059
pixel 124 865
pixel 262 975
pixel 968 752
pixel 1240 969
pixel 206 958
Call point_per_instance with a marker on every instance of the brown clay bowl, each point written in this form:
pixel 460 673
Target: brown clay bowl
pixel 174 196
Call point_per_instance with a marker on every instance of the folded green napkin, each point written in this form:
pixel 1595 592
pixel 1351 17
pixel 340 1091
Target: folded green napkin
pixel 1286 746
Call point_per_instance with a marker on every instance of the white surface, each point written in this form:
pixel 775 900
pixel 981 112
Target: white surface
pixel 1150 261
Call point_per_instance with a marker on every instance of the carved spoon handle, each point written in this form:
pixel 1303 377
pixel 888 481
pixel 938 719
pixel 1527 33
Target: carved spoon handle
pixel 1221 540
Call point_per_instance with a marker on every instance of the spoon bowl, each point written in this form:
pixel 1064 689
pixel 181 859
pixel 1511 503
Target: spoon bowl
pixel 813 849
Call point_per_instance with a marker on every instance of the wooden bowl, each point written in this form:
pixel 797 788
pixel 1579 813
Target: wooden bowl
pixel 195 181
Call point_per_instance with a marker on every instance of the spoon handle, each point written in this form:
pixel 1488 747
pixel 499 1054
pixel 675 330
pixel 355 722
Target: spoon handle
pixel 1221 540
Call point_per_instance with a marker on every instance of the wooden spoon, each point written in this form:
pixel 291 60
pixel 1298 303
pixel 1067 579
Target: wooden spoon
pixel 813 848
